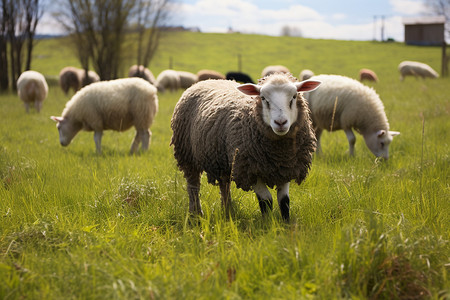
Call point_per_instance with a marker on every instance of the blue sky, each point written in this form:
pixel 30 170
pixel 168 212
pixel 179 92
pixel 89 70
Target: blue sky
pixel 336 19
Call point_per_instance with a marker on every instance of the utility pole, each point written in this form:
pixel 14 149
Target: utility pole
pixel 374 28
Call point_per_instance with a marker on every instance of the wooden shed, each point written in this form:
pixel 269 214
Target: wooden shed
pixel 425 31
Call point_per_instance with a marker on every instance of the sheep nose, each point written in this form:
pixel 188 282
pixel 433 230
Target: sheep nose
pixel 281 123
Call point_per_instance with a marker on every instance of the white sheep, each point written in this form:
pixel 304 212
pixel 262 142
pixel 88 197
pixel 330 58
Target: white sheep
pixel 115 105
pixel 32 89
pixel 305 74
pixel 274 69
pixel 260 141
pixel 416 69
pixel 187 79
pixel 168 79
pixel 345 103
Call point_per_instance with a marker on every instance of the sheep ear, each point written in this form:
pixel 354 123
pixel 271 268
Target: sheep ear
pixel 380 133
pixel 307 85
pixel 250 89
pixel 56 119
pixel 394 133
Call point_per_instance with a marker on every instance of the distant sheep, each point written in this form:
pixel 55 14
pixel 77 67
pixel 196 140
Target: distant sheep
pixel 416 69
pixel 168 80
pixel 267 139
pixel 345 103
pixel 367 75
pixel 209 74
pixel 74 78
pixel 32 89
pixel 305 74
pixel 187 79
pixel 115 105
pixel 239 77
pixel 141 72
pixel 274 69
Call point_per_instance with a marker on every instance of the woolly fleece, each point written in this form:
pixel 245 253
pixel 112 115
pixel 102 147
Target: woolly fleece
pixel 219 130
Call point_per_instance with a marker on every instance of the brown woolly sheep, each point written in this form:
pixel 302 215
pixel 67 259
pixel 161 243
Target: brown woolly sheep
pixel 75 78
pixel 260 141
pixel 209 74
pixel 115 105
pixel 32 89
pixel 367 74
pixel 141 72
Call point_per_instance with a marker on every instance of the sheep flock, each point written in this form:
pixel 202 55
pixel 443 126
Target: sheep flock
pixel 258 135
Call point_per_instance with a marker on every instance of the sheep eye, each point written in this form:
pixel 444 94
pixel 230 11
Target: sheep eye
pixel 382 145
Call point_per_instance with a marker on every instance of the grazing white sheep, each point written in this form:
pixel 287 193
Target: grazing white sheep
pixel 345 103
pixel 168 79
pixel 141 72
pixel 114 105
pixel 187 79
pixel 305 74
pixel 32 89
pixel 274 69
pixel 260 141
pixel 416 69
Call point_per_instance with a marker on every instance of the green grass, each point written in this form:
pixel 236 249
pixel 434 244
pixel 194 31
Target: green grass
pixel 74 224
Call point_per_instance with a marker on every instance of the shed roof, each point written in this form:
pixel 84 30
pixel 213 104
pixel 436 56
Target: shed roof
pixel 424 20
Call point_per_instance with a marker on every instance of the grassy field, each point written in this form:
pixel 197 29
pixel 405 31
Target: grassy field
pixel 77 225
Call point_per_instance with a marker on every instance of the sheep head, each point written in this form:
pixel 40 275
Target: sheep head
pixel 378 142
pixel 67 129
pixel 279 95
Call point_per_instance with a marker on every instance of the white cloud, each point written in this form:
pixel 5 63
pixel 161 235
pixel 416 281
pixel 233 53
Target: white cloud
pixel 408 7
pixel 247 17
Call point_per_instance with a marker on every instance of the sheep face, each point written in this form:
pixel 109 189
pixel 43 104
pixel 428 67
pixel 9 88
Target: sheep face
pixel 279 102
pixel 379 142
pixel 67 130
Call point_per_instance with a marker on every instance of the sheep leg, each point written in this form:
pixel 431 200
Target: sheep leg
pixel 193 188
pixel 318 132
pixel 27 107
pixel 98 141
pixel 146 136
pixel 224 185
pixel 283 200
pixel 142 135
pixel 264 196
pixel 38 105
pixel 351 140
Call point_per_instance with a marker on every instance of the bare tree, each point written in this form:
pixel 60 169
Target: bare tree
pixel 4 81
pixel 291 31
pixel 150 17
pixel 97 28
pixel 18 25
pixel 441 7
